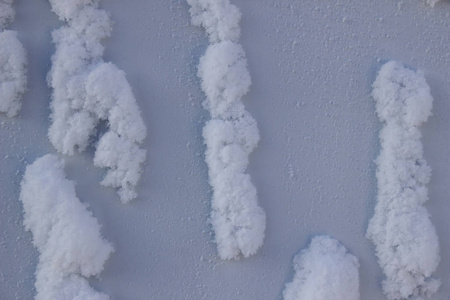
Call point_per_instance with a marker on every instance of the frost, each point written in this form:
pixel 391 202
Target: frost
pixel 65 233
pixel 231 135
pixel 13 79
pixel 225 78
pixel 325 270
pixel 406 242
pixel 238 221
pixel 7 13
pixel 219 18
pixel 13 62
pixel 88 92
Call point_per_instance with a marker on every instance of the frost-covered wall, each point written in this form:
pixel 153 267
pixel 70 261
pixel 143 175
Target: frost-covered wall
pixel 65 233
pixel 88 91
pixel 231 135
pixel 406 243
pixel 13 63
pixel 324 271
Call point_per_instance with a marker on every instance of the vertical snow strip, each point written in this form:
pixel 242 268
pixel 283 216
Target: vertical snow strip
pixel 231 135
pixel 325 270
pixel 88 91
pixel 13 62
pixel 65 233
pixel 406 243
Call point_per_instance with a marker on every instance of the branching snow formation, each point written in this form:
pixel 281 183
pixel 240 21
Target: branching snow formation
pixel 231 135
pixel 88 92
pixel 406 242
pixel 65 233
pixel 13 63
pixel 324 271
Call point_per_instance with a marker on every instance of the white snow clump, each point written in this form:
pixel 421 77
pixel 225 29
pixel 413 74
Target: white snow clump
pixel 65 233
pixel 219 18
pixel 7 13
pixel 88 92
pixel 231 135
pixel 13 63
pixel 406 243
pixel 324 271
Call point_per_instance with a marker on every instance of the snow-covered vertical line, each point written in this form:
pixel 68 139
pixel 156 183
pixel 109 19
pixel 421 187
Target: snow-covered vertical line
pixel 65 233
pixel 323 271
pixel 231 134
pixel 406 243
pixel 88 91
pixel 13 63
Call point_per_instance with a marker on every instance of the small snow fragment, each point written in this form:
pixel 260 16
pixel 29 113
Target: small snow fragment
pixel 324 271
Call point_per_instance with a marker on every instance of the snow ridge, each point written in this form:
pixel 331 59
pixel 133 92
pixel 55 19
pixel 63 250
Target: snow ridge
pixel 13 63
pixel 88 92
pixel 65 233
pixel 325 270
pixel 232 134
pixel 406 243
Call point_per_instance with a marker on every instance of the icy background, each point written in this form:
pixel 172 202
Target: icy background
pixel 312 65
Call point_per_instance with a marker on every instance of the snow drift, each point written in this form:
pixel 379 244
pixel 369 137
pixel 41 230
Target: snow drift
pixel 88 92
pixel 231 135
pixel 324 271
pixel 65 233
pixel 406 243
pixel 13 62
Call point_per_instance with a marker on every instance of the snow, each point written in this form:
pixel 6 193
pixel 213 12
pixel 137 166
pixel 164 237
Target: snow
pixel 232 134
pixel 325 270
pixel 13 80
pixel 219 18
pixel 13 62
pixel 312 66
pixel 65 233
pixel 225 79
pixel 7 13
pixel 88 91
pixel 406 242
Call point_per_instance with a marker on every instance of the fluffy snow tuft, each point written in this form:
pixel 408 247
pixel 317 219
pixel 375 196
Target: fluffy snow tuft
pixel 405 239
pixel 225 78
pixel 88 91
pixel 13 62
pixel 324 271
pixel 237 219
pixel 67 10
pixel 13 79
pixel 7 13
pixel 219 18
pixel 65 233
